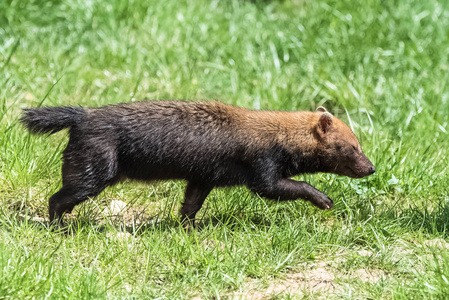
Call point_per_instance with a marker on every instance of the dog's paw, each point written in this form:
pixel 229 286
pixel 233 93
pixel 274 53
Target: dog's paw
pixel 322 201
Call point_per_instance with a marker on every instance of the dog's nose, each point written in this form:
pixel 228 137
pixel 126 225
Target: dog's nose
pixel 372 170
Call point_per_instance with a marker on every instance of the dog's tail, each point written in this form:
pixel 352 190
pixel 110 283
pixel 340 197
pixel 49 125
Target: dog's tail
pixel 49 120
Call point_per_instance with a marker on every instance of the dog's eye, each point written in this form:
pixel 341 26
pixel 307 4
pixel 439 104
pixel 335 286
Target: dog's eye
pixel 354 147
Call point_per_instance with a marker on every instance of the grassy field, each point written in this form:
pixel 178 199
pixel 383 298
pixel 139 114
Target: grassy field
pixel 381 66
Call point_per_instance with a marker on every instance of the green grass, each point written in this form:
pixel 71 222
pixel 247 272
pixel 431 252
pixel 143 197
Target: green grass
pixel 381 66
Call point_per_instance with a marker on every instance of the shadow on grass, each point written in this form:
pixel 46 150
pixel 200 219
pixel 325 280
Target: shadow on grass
pixel 151 224
pixel 230 221
pixel 432 218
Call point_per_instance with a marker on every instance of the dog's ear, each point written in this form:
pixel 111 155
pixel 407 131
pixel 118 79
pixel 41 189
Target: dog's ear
pixel 321 109
pixel 325 122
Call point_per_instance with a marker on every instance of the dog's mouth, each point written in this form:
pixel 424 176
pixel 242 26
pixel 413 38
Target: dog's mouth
pixel 353 174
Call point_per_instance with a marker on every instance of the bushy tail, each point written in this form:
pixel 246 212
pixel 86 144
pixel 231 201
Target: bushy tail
pixel 51 119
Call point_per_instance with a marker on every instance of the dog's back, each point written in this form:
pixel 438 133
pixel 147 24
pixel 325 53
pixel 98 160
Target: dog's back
pixel 162 139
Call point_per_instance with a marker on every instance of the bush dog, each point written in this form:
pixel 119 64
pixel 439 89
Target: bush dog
pixel 208 144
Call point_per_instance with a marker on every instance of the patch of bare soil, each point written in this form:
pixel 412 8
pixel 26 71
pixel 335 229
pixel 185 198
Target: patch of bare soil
pixel 119 211
pixel 320 279
pixel 437 243
pixel 123 216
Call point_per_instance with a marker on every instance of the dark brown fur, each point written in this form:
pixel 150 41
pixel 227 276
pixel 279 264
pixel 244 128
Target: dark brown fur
pixel 209 144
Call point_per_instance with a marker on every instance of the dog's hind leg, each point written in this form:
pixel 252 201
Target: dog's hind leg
pixel 65 200
pixel 68 197
pixel 194 198
pixel 83 177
